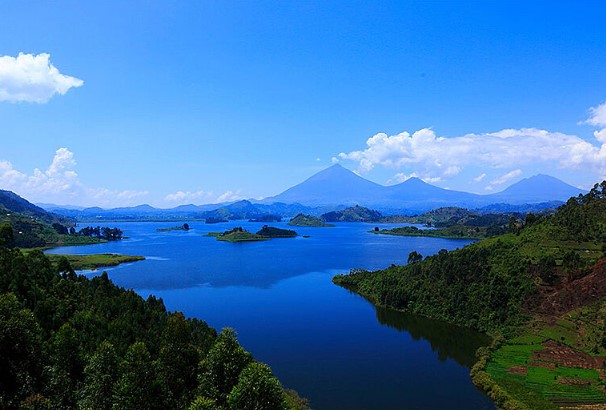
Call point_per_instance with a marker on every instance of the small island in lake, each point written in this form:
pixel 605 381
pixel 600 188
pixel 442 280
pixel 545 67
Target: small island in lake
pixel 307 220
pixel 184 227
pixel 272 232
pixel 239 234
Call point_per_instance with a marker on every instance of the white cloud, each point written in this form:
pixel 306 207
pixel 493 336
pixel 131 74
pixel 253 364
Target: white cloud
pixel 201 197
pixel 480 177
pixel 440 157
pixel 60 184
pixel 228 196
pixel 504 178
pixel 597 115
pixel 183 197
pixel 401 177
pixel 600 135
pixel 32 78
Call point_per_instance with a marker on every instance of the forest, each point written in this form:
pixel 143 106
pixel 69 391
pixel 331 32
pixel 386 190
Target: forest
pixel 69 342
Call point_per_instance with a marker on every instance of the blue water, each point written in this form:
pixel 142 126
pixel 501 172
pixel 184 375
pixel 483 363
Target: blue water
pixel 329 344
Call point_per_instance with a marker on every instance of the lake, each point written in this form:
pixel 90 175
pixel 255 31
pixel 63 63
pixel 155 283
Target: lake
pixel 330 345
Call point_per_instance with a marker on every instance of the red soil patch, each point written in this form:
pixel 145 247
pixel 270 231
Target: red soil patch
pixel 521 370
pixel 567 356
pixel 547 365
pixel 588 286
pixel 574 382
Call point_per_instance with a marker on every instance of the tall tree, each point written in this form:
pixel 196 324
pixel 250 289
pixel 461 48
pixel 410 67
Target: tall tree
pixel 136 389
pixel 100 374
pixel 222 366
pixel 257 389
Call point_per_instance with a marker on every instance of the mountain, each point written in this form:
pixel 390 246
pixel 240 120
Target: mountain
pixel 336 186
pixel 332 186
pixel 417 194
pixel 539 188
pixel 11 202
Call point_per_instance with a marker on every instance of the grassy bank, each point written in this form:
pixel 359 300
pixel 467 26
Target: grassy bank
pixel 84 262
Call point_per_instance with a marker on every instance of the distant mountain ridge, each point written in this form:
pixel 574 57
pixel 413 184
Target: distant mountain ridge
pixel 338 186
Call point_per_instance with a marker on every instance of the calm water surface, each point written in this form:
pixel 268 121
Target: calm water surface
pixel 329 344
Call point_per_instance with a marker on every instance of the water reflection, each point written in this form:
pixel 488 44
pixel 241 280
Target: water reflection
pixel 447 340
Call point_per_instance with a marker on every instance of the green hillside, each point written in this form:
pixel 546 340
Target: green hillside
pixel 540 290
pixel 70 342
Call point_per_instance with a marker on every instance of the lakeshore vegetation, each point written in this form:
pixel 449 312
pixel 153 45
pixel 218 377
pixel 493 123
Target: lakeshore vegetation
pixel 539 290
pixel 71 342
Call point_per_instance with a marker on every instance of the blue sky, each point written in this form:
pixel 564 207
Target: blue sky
pixel 172 102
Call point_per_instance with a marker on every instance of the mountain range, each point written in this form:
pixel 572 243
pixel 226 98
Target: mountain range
pixel 336 188
pixel 339 186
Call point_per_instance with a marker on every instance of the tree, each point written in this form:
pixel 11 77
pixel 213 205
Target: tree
pixel 6 235
pixel 20 352
pixel 203 403
pixel 66 367
pixel 257 389
pixel 414 257
pixel 100 374
pixel 135 389
pixel 178 362
pixel 222 366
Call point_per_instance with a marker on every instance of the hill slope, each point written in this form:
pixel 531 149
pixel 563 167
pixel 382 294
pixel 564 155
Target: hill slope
pixel 542 285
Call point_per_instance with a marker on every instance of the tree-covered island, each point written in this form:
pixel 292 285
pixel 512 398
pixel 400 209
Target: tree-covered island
pixel 308 220
pixel 239 234
pixel 184 227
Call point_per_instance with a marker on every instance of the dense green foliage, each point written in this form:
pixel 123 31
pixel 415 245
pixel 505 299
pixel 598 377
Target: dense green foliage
pixel 308 220
pixel 485 285
pixel 273 232
pixel 482 287
pixel 354 214
pixel 70 342
pixel 237 234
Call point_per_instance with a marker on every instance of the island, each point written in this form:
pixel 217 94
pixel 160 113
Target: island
pixel 237 234
pixel 240 234
pixel 272 232
pixel 308 220
pixel 95 261
pixel 184 227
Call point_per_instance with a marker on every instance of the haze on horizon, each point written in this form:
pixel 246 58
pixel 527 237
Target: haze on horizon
pixel 116 104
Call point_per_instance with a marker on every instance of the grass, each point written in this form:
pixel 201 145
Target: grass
pixel 89 262
pixel 542 387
